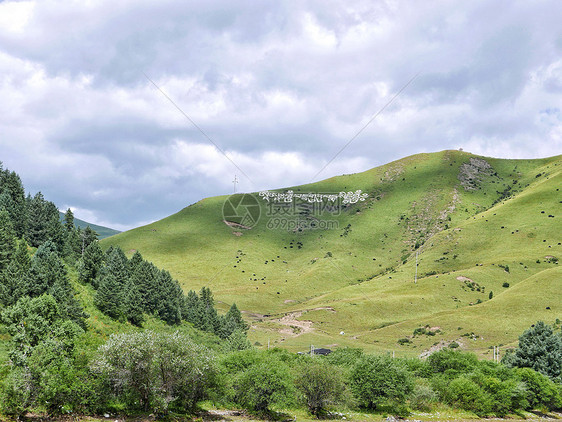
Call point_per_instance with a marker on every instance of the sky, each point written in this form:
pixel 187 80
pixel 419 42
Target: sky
pixel 128 111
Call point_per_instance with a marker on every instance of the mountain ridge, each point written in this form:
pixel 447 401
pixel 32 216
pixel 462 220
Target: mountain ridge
pixel 359 277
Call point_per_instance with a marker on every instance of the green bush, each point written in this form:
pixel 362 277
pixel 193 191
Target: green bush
pixel 264 384
pixel 321 386
pixel 380 381
pixel 345 356
pixel 157 372
pixel 542 393
pixel 466 394
pixel 451 362
pixel 423 397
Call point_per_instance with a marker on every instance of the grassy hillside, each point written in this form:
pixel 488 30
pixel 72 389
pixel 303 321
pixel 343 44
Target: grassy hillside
pixel 475 223
pixel 102 231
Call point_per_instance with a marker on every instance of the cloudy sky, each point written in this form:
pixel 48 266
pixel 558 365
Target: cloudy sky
pixel 279 86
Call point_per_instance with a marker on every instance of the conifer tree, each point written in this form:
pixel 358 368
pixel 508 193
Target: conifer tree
pixel 14 280
pixel 118 265
pixel 88 236
pixel 109 297
pixel 46 269
pixel 69 220
pixel 90 264
pixel 132 304
pixel 37 220
pixel 7 240
pixel 11 185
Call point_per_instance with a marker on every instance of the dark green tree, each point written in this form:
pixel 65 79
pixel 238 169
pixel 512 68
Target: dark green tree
pixel 117 264
pixel 233 321
pixel 7 240
pixel 14 280
pixel 11 185
pixel 109 297
pixel 132 304
pixel 69 220
pixel 540 348
pixel 88 236
pixel 90 264
pixel 37 220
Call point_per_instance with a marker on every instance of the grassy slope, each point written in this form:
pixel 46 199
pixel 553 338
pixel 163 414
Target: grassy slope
pixel 365 289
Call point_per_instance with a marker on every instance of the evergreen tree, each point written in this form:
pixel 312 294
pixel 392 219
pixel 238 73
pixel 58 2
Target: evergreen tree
pixel 540 348
pixel 170 298
pixel 37 220
pixel 191 311
pixel 211 321
pixel 72 245
pixel 232 322
pixel 134 262
pixel 90 264
pixel 145 278
pixel 69 220
pixel 109 297
pixel 7 240
pixel 46 269
pixel 11 185
pixel 55 230
pixel 118 265
pixel 15 278
pixel 132 304
pixel 88 237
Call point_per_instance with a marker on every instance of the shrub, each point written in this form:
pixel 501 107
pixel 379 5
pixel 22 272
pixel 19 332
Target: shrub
pixel 378 381
pixel 345 356
pixel 423 397
pixel 452 362
pixel 264 384
pixel 466 394
pixel 321 386
pixel 157 371
pixel 541 391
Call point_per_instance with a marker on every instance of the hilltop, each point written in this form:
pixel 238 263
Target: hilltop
pixel 102 231
pixel 484 232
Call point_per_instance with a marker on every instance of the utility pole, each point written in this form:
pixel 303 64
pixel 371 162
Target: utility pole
pixel 235 182
pixel 416 276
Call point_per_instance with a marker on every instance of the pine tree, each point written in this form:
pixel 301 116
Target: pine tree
pixel 135 261
pixel 55 230
pixel 169 300
pixel 11 185
pixel 7 240
pixel 69 220
pixel 37 220
pixel 145 278
pixel 14 280
pixel 90 264
pixel 88 237
pixel 109 297
pixel 132 304
pixel 118 265
pixel 233 321
pixel 46 269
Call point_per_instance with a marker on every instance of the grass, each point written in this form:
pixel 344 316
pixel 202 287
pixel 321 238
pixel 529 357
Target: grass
pixel 363 271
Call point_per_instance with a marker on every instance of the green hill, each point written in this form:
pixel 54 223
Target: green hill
pixel 102 231
pixel 476 224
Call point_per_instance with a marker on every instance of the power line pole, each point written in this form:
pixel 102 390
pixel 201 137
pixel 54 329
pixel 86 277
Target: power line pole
pixel 416 276
pixel 235 182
